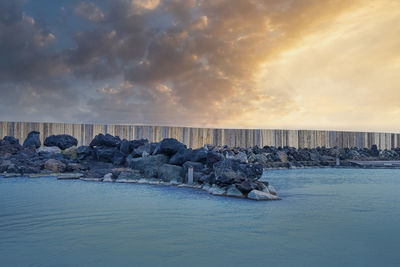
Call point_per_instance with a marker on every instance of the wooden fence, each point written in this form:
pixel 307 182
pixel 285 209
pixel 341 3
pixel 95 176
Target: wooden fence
pixel 197 137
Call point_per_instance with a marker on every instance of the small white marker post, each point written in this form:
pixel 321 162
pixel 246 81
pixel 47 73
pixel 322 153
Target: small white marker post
pixel 337 161
pixel 190 175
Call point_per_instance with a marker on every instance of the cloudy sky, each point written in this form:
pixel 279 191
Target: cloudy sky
pixel 292 64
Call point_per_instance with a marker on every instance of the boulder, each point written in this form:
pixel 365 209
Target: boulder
pixel 148 166
pixel 71 152
pixel 32 140
pixel 213 157
pixel 138 143
pixel 5 164
pixel 84 152
pixel 7 149
pixel 143 150
pixel 216 190
pixel 181 157
pixel 11 140
pixel 105 140
pixel 105 153
pixel 241 157
pixel 169 146
pixel 260 195
pixel 199 155
pixel 261 159
pixel 233 192
pixel 245 187
pixel 271 190
pixel 63 141
pixel 125 147
pixel 97 173
pixel 55 165
pixel 48 149
pixel 283 157
pixel 119 158
pixel 168 172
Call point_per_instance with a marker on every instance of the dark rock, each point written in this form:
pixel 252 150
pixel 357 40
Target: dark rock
pixel 138 143
pixel 245 187
pixel 199 155
pixel 63 141
pixel 181 157
pixel 168 172
pixel 207 179
pixel 125 147
pixel 84 152
pixel 148 166
pixel 213 157
pixel 105 153
pixel 197 166
pixel 146 149
pixel 119 158
pixel 169 146
pixel 55 165
pixel 32 140
pixel 7 149
pixel 11 140
pixel 105 140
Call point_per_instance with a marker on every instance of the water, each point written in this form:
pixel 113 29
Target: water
pixel 328 217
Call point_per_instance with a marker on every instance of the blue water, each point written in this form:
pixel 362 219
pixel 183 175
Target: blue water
pixel 328 217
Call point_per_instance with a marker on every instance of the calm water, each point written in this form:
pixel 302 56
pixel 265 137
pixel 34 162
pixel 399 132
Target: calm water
pixel 328 217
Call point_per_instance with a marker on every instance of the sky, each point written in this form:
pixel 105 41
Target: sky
pixel 288 64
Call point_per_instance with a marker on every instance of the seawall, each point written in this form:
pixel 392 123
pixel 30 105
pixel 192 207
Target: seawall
pixel 197 137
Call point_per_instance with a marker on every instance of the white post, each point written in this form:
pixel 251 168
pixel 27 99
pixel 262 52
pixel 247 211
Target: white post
pixel 190 175
pixel 337 161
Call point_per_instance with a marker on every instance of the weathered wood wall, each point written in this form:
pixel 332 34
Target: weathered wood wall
pixel 197 137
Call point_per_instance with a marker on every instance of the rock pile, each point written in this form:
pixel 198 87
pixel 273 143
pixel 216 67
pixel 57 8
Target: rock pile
pixel 220 170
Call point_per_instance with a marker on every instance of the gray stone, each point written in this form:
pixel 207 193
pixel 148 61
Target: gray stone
pixel 233 192
pixel 216 190
pixel 49 149
pixel 55 165
pixel 63 141
pixel 242 157
pixel 168 172
pixel 148 166
pixel 260 195
pixel 32 140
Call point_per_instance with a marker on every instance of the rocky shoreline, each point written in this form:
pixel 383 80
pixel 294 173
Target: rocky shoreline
pixel 224 171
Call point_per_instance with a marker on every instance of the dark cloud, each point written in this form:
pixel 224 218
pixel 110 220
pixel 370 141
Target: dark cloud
pixel 167 62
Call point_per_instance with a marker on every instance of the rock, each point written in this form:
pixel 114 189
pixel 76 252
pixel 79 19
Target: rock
pixel 11 140
pixel 245 187
pixel 181 157
pixel 63 141
pixel 148 166
pixel 7 149
pixel 168 172
pixel 75 167
pixel 5 165
pixel 69 176
pixel 32 140
pixel 213 157
pixel 138 143
pixel 105 153
pixel 119 158
pixel 241 157
pixel 97 173
pixel 271 190
pixel 146 149
pixel 199 155
pixel 261 158
pixel 283 157
pixel 129 175
pixel 228 177
pixel 48 149
pixel 84 152
pixel 71 152
pixel 207 179
pixel 125 147
pixel 216 190
pixel 233 192
pixel 260 195
pixel 55 165
pixel 108 177
pixel 105 140
pixel 169 146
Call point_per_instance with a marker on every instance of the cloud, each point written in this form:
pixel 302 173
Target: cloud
pixel 257 63
pixel 89 11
